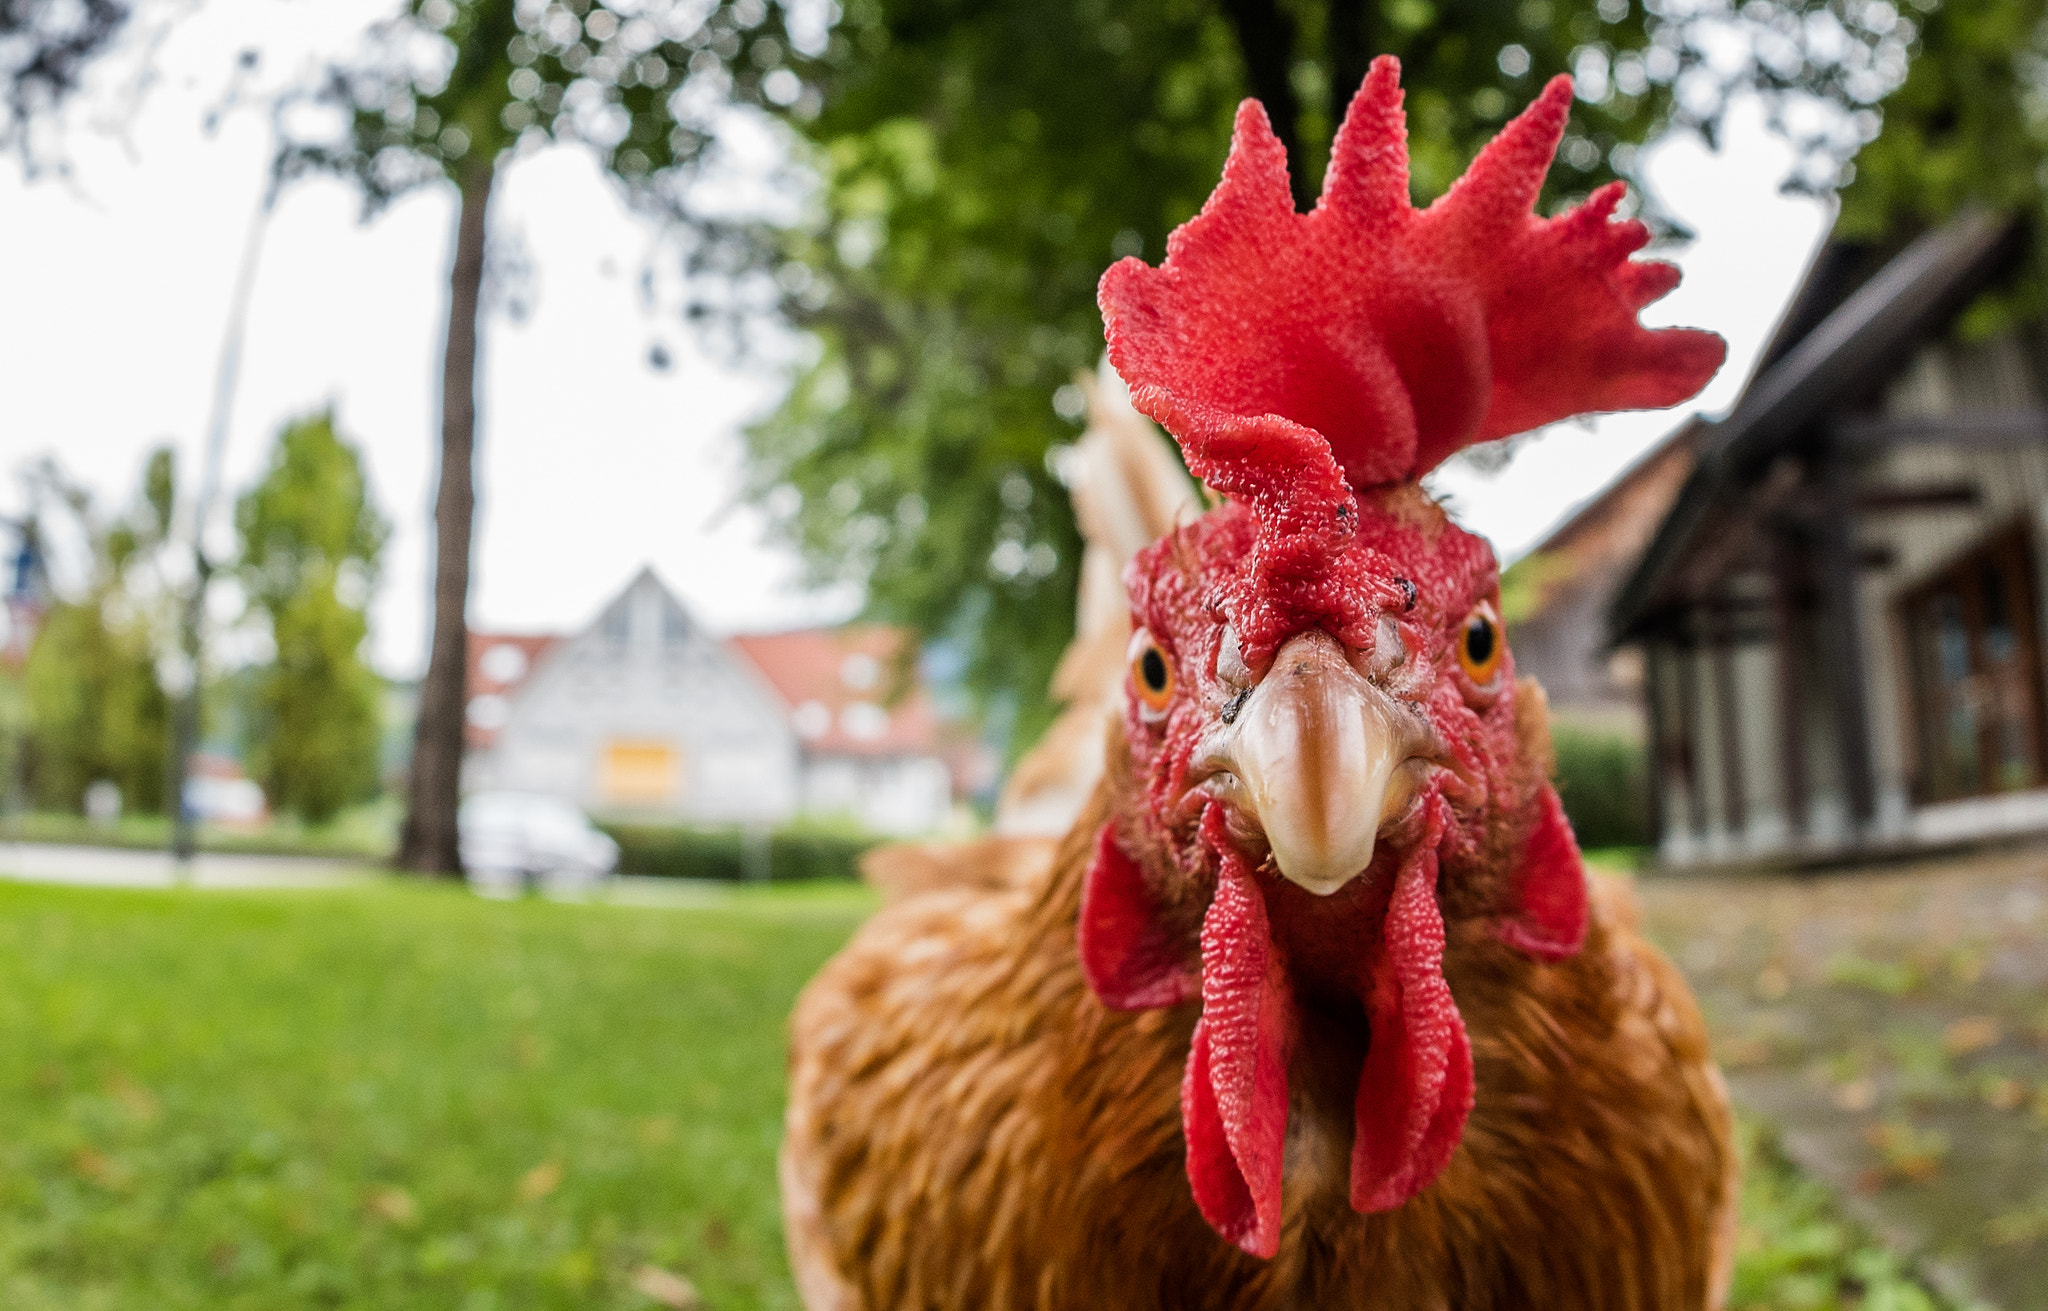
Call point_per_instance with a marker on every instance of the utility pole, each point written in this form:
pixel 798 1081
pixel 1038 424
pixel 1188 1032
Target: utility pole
pixel 185 714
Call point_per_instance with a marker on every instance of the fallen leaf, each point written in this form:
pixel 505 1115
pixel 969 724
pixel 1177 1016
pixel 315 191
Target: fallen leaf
pixel 2005 1094
pixel 96 1167
pixel 1966 965
pixel 137 1100
pixel 394 1204
pixel 1910 1153
pixel 667 1287
pixel 1738 1052
pixel 2016 1228
pixel 1973 1034
pixel 1856 1096
pixel 1892 978
pixel 541 1180
pixel 717 1234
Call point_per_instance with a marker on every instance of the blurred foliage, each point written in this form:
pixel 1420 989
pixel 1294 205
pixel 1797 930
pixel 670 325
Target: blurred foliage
pixel 450 86
pixel 310 544
pixel 395 1097
pixel 96 710
pixel 45 48
pixel 1969 125
pixel 980 164
pixel 1603 779
pixel 798 851
pixel 448 89
pixel 1794 1252
pixel 96 707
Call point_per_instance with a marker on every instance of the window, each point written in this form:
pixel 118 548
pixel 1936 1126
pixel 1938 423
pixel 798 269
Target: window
pixel 1977 673
pixel 641 773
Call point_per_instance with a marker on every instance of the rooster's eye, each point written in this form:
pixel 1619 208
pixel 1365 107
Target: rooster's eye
pixel 1151 674
pixel 1480 647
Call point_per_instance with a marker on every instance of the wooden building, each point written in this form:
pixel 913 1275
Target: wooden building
pixel 1555 598
pixel 1840 618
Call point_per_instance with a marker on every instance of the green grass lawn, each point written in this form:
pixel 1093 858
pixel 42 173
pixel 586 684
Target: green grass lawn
pixel 403 1097
pixel 393 1097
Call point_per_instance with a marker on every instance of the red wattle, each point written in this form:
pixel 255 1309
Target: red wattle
pixel 1416 1088
pixel 1549 922
pixel 1234 1095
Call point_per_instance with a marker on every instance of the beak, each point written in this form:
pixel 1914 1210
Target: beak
pixel 1322 759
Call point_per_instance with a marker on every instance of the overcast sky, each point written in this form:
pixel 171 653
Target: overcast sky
pixel 115 285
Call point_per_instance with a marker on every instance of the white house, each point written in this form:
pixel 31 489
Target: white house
pixel 641 712
pixel 864 753
pixel 645 714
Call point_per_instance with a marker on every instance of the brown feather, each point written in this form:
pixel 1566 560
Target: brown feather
pixel 969 1127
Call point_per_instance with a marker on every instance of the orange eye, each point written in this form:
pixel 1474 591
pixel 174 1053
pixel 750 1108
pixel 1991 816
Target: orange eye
pixel 1480 647
pixel 1151 673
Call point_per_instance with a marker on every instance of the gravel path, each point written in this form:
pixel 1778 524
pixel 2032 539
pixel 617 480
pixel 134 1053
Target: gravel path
pixel 122 867
pixel 1893 1023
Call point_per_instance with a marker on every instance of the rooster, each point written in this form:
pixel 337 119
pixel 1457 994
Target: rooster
pixel 1314 1006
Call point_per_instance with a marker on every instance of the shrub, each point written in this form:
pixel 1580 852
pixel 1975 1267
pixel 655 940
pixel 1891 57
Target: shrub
pixel 801 851
pixel 1603 778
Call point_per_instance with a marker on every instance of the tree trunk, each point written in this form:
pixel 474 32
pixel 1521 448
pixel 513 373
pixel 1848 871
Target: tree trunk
pixel 1265 38
pixel 429 844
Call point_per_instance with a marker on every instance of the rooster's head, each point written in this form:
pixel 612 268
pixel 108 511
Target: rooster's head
pixel 1323 761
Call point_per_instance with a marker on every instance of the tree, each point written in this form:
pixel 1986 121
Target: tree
pixel 1968 124
pixel 980 164
pixel 96 706
pixel 45 46
pixel 445 96
pixel 310 544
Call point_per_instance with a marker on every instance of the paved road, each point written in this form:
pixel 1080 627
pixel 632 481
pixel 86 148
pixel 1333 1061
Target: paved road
pixel 124 867
pixel 1891 1023
pixel 120 867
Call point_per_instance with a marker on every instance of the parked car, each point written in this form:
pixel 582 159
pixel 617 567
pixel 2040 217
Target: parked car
pixel 516 841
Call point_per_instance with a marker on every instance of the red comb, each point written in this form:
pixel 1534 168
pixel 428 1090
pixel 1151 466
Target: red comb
pixel 1366 341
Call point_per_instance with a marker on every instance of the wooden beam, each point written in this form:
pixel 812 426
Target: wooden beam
pixel 1789 579
pixel 1898 500
pixel 1842 640
pixel 1689 738
pixel 1728 728
pixel 1653 705
pixel 1976 430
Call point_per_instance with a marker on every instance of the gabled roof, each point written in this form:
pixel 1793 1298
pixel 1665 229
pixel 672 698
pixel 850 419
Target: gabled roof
pixel 1873 326
pixel 836 683
pixel 1602 535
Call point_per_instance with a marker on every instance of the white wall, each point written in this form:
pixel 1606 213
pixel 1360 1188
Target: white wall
pixel 644 672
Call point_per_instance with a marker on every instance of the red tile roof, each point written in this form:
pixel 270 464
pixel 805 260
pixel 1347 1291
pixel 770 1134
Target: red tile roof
pixel 491 674
pixel 837 684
